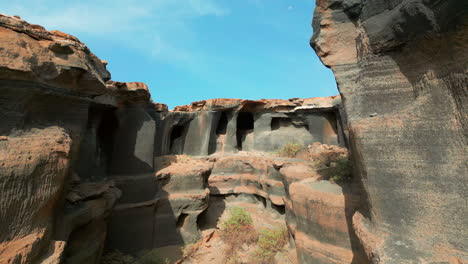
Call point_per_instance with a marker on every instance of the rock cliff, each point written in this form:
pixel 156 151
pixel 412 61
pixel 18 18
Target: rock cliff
pixel 57 112
pixel 90 165
pixel 401 69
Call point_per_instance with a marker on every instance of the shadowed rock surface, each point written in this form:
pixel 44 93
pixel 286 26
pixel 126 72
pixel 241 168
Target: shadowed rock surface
pixel 89 165
pixel 232 125
pixel 84 164
pixel 401 68
pixel 58 124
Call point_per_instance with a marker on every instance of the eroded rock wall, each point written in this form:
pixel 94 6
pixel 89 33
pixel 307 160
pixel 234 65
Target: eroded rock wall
pixel 59 116
pixel 401 68
pixel 232 125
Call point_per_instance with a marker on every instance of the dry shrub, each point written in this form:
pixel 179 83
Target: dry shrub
pixel 289 149
pixel 270 242
pixel 237 230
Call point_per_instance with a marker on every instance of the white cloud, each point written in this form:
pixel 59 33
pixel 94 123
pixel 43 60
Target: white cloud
pixel 290 7
pixel 158 27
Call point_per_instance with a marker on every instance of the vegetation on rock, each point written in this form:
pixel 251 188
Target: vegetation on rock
pixel 237 230
pixel 270 242
pixel 342 170
pixel 289 149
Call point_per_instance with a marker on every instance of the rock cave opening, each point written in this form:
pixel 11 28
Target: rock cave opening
pixel 177 139
pixel 105 136
pixel 278 122
pixel 181 220
pixel 222 124
pixel 245 126
pixel 97 147
pixel 217 142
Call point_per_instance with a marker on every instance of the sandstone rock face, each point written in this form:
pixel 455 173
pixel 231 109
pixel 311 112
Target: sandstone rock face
pixel 232 125
pixel 401 68
pixel 31 53
pixel 84 165
pixel 186 195
pixel 56 144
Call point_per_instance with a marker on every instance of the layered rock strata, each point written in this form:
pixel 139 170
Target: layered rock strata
pixel 401 68
pixel 232 125
pixel 59 114
pixel 83 165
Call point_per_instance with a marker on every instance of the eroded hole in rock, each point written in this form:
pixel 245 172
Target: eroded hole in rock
pixel 245 126
pixel 279 208
pixel 278 122
pixel 181 220
pixel 222 124
pixel 177 139
pixel 97 146
pixel 105 136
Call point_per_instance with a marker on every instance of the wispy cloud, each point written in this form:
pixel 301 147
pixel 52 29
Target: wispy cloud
pixel 157 27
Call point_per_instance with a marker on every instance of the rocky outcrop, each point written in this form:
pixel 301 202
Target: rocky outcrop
pixel 232 125
pixel 401 68
pixel 56 142
pixel 186 195
pixel 31 53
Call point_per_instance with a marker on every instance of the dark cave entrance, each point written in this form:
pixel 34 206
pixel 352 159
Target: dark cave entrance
pixel 222 124
pixel 278 122
pixel 176 144
pixel 97 145
pixel 218 139
pixel 105 136
pixel 245 125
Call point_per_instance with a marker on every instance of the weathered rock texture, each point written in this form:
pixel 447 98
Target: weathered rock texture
pixel 187 194
pixel 401 68
pixel 84 164
pixel 59 119
pixel 231 125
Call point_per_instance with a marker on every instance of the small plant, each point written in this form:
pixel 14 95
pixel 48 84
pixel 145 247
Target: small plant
pixel 237 230
pixel 270 242
pixel 116 257
pixel 289 149
pixel 342 171
pixel 151 257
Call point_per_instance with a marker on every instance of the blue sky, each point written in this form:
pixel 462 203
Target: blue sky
pixel 190 50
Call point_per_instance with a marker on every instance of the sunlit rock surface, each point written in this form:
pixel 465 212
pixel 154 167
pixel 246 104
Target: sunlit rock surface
pixel 401 68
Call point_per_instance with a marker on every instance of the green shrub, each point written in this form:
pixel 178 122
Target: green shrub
pixel 237 230
pixel 289 149
pixel 270 242
pixel 342 171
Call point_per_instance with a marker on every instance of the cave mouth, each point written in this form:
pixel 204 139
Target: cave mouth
pixel 278 122
pixel 245 125
pixel 105 136
pixel 176 144
pixel 222 124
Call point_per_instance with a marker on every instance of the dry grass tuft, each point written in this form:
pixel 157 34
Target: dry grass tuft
pixel 289 150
